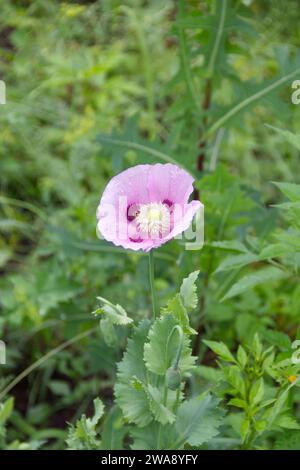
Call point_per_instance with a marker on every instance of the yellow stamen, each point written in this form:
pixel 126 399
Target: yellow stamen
pixel 153 219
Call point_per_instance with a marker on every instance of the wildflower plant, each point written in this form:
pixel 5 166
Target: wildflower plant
pixel 148 206
pixel 163 105
pixel 157 402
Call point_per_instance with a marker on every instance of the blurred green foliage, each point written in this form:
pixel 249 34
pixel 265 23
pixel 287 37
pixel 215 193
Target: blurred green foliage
pixel 92 88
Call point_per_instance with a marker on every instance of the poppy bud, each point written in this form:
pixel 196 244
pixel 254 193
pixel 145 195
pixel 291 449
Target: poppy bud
pixel 173 378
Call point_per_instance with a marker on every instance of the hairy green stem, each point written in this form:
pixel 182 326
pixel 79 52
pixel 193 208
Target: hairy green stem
pixel 175 365
pixel 165 400
pixel 180 347
pixel 218 38
pixel 177 401
pixel 215 150
pixel 151 281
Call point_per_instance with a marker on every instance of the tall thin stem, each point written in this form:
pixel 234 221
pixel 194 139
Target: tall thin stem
pixel 151 280
pixel 165 400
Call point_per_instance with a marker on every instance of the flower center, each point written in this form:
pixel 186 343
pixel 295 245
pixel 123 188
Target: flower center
pixel 153 219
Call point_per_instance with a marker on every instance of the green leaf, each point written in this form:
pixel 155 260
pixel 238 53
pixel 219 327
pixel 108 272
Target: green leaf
pixel 278 338
pixel 257 346
pixel 234 377
pixel 237 261
pixel 6 410
pixel 286 421
pixel 113 431
pixel 276 250
pixel 99 411
pixel 249 281
pixel 221 350
pixel 238 403
pixel 188 290
pixel 186 299
pixel 245 427
pixel 256 392
pixel 160 351
pixel 161 413
pixel 198 420
pixel 260 425
pixel 229 245
pixel 267 403
pixel 176 307
pixel 134 403
pixel 116 313
pixel 131 364
pixel 146 438
pixel 84 434
pixel 211 374
pixel 133 400
pixel 108 331
pixel 242 356
pixel 290 190
pixel 293 139
pixel 272 414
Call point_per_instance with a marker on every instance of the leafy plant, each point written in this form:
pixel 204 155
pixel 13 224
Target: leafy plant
pixel 96 87
pixel 244 380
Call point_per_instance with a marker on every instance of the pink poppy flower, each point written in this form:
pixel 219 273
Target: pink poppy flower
pixel 146 206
